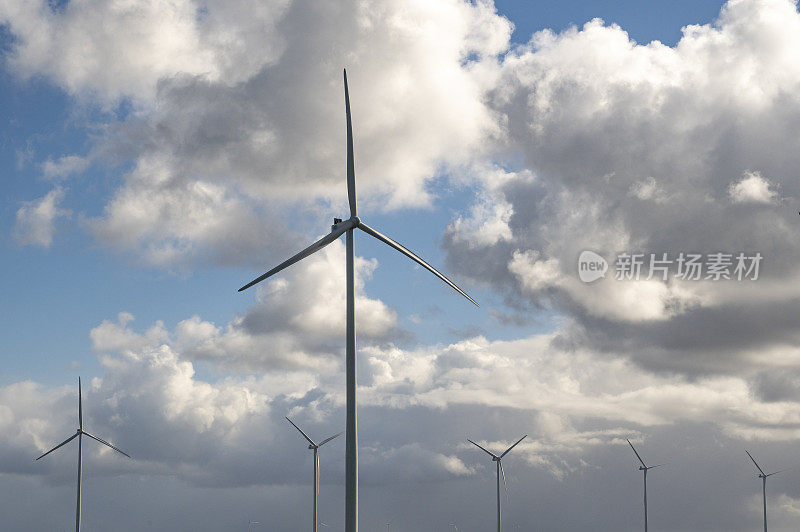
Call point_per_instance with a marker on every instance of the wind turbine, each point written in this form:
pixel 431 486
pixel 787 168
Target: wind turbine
pixel 79 434
pixel 498 459
pixel 763 476
pixel 644 468
pixel 315 447
pixel 251 523
pixel 347 228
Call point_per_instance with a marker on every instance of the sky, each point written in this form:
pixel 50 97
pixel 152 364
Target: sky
pixel 614 182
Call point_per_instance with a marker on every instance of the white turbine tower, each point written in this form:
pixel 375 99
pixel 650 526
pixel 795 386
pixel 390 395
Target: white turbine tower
pixel 500 471
pixel 79 434
pixel 315 447
pixel 347 228
pixel 644 468
pixel 763 476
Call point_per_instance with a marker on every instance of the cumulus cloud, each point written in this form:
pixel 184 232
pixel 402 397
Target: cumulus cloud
pixel 219 129
pixel 633 148
pixel 123 49
pixel 297 323
pixel 35 220
pixel 170 223
pixel 571 402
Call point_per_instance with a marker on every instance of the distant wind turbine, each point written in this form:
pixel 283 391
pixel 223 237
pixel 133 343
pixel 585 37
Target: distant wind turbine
pixel 347 228
pixel 251 523
pixel 763 476
pixel 315 447
pixel 644 468
pixel 500 471
pixel 79 434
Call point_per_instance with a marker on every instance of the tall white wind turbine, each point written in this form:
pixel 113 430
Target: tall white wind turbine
pixel 644 468
pixel 79 434
pixel 500 472
pixel 347 228
pixel 315 447
pixel 763 476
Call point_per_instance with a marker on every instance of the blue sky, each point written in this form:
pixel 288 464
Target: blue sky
pixel 157 157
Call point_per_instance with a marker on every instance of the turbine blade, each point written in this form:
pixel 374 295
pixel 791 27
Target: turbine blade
pixel 482 448
pixel 502 471
pixel 351 168
pixel 59 445
pixel 655 466
pixel 301 432
pixel 776 472
pixel 326 440
pixel 104 442
pixel 754 461
pixel 519 440
pixel 637 454
pixel 412 256
pixel 313 248
pixel 80 406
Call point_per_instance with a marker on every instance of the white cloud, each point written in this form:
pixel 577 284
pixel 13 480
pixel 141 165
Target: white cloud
pixel 297 323
pixel 752 188
pixel 167 221
pixel 633 147
pixel 218 128
pixel 35 220
pixel 151 402
pixel 64 166
pixel 113 49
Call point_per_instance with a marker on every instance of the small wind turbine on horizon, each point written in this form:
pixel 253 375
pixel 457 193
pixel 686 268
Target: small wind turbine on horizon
pixel 644 468
pixel 79 434
pixel 315 447
pixel 347 228
pixel 500 471
pixel 763 476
